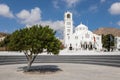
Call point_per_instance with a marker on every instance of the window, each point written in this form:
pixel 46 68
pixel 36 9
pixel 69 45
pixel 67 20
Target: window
pixel 97 38
pixel 82 37
pixel 68 30
pixel 68 37
pixel 68 15
pixel 115 40
pixel 68 23
pixel 76 37
pixel 87 35
pixel 76 44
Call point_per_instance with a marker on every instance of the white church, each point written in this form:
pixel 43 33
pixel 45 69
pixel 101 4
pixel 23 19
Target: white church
pixel 79 38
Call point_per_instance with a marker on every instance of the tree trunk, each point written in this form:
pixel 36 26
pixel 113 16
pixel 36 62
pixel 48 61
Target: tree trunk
pixel 29 65
pixel 30 61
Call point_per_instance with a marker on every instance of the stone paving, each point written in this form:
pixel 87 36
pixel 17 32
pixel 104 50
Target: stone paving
pixel 68 72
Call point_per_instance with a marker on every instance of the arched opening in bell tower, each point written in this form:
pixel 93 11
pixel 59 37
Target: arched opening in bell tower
pixel 68 15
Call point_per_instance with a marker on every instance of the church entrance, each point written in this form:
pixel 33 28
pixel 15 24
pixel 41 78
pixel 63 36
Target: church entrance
pixel 86 46
pixel 70 48
pixel 90 46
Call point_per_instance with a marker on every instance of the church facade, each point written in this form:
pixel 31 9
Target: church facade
pixel 79 38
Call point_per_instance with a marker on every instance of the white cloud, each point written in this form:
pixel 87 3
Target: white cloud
pixel 56 25
pixel 93 8
pixel 68 3
pixel 5 11
pixel 71 3
pixel 30 17
pixel 102 1
pixel 118 23
pixel 24 14
pixel 115 8
pixel 33 17
pixel 55 4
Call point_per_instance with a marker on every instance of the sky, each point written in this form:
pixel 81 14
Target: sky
pixel 17 14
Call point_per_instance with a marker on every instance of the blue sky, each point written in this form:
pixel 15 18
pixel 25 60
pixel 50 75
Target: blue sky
pixel 16 14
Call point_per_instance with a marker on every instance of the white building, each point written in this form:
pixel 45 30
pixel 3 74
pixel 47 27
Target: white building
pixel 81 38
pixel 117 43
pixel 2 38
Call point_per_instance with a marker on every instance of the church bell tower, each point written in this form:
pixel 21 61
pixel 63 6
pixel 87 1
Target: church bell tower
pixel 68 28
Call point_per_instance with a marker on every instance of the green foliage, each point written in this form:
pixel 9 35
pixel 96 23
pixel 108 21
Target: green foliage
pixel 108 41
pixel 34 40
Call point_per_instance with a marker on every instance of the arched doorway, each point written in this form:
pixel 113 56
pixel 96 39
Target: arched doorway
pixel 70 47
pixel 90 46
pixel 85 46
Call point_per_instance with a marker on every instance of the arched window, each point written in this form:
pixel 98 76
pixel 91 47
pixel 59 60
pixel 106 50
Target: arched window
pixel 87 35
pixel 76 37
pixel 68 30
pixel 68 37
pixel 68 15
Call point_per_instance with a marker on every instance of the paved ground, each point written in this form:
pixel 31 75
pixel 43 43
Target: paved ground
pixel 107 60
pixel 66 67
pixel 69 72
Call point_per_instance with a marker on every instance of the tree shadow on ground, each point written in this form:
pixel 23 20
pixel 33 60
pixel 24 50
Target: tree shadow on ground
pixel 42 69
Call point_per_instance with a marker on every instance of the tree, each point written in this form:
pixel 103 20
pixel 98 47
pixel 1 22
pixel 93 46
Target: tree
pixel 108 41
pixel 34 40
